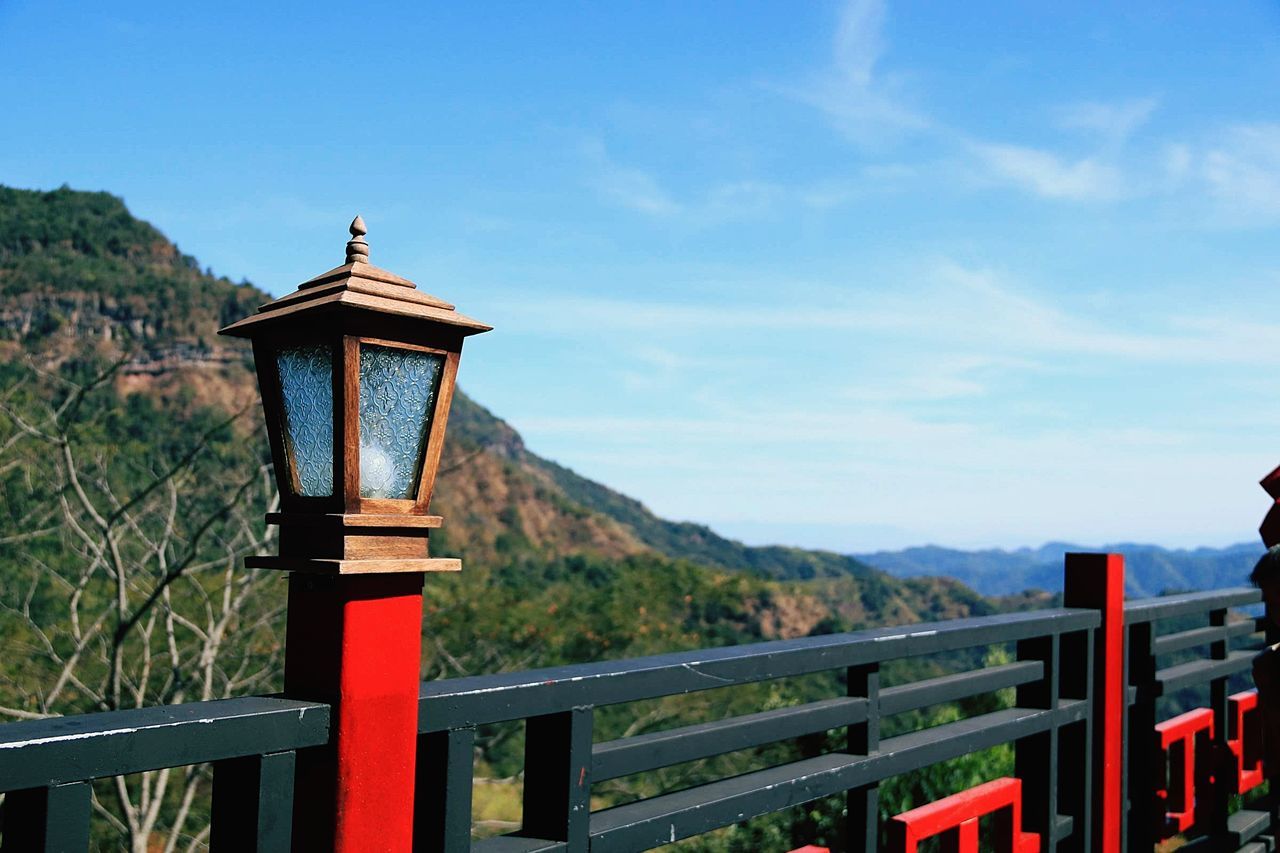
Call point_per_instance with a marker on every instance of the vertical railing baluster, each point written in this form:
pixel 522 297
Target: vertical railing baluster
pixel 253 804
pixel 1145 769
pixel 1220 799
pixel 442 791
pixel 862 824
pixel 47 820
pixel 557 778
pixel 1036 756
pixel 1075 742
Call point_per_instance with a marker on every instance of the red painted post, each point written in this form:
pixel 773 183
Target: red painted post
pixel 355 641
pixel 1097 581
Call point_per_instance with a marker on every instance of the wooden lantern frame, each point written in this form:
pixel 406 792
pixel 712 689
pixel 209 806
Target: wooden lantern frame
pixel 345 309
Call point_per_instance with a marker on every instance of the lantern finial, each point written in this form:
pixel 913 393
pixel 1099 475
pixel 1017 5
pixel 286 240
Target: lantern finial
pixel 357 246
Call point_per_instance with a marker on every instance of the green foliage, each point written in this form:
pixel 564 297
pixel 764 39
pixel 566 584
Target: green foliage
pixel 123 526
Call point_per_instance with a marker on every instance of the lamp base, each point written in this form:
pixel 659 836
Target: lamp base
pixel 356 538
pixel 326 566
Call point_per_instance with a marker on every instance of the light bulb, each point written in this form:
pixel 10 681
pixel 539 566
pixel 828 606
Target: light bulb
pixel 377 471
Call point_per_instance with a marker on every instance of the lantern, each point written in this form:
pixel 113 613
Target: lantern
pixel 356 370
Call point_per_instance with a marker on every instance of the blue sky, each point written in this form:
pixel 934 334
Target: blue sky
pixel 846 275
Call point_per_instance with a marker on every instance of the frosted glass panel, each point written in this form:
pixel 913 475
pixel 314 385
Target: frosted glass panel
pixel 397 397
pixel 306 380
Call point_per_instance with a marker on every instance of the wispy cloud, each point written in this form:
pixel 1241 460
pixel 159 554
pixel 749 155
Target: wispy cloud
pixel 1105 173
pixel 1224 177
pixel 1116 121
pixel 939 377
pixel 972 310
pixel 867 106
pixel 642 192
pixel 851 92
pixel 1242 171
pixel 632 188
pixel 1050 175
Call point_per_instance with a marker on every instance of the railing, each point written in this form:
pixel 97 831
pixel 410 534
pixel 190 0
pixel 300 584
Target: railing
pixel 47 765
pixel 1198 757
pixel 1066 661
pixel 1052 676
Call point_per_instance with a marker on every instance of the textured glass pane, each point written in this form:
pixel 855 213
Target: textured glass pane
pixel 306 379
pixel 397 396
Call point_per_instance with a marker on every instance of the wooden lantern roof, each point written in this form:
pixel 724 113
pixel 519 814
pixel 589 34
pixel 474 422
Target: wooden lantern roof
pixel 358 285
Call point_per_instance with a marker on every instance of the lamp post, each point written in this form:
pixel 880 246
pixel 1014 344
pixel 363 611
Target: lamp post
pixel 356 370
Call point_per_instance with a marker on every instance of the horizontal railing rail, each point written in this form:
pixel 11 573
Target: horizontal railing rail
pixel 47 766
pixel 656 750
pixel 650 822
pixel 35 753
pixel 477 700
pixel 1142 610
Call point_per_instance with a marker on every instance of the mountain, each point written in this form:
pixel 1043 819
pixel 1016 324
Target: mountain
pixel 78 271
pixel 1149 569
pixel 83 279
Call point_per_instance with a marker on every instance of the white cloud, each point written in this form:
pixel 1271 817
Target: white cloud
pixel 639 191
pixel 979 312
pixel 1048 175
pixel 859 40
pixel 632 188
pixel 1116 121
pixel 854 97
pixel 1242 171
pixel 937 383
pixel 1104 173
pixel 1229 177
pixel 728 201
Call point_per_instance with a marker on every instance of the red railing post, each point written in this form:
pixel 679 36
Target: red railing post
pixel 1097 581
pixel 354 641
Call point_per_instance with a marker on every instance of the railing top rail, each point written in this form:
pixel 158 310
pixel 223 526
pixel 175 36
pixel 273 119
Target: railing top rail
pixel 36 753
pixel 473 700
pixel 1166 606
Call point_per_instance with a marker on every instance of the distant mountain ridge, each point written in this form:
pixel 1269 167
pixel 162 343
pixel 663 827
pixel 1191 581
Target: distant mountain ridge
pixel 1149 569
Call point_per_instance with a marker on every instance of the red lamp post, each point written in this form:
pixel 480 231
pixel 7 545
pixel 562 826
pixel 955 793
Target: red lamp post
pixel 356 370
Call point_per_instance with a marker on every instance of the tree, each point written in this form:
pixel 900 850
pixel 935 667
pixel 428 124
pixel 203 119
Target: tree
pixel 122 538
